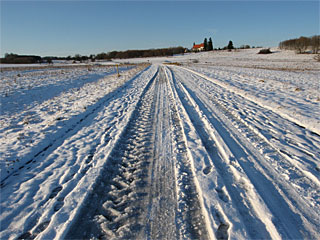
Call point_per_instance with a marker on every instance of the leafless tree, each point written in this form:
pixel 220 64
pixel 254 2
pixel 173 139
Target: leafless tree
pixel 302 44
pixel 315 43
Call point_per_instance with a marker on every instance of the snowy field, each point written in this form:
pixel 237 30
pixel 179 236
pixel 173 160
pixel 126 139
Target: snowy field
pixel 217 145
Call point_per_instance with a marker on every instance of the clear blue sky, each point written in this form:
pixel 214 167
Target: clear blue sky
pixel 62 28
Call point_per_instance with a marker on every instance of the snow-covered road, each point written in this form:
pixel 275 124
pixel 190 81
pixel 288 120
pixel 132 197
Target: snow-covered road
pixel 147 188
pixel 172 152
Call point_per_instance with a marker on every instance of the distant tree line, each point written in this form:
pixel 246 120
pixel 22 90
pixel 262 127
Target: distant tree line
pixel 12 58
pixel 302 44
pixel 244 46
pixel 20 59
pixel 141 53
pixel 230 47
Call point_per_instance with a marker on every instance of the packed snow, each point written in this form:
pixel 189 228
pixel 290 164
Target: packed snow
pixel 213 145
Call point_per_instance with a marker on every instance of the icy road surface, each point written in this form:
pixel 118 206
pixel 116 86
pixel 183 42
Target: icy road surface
pixel 163 152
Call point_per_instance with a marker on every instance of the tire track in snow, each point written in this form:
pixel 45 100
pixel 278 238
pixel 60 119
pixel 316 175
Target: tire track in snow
pixel 255 226
pixel 74 125
pixel 303 181
pixel 190 206
pixel 290 115
pixel 115 209
pixel 173 165
pixel 47 172
pixel 162 204
pixel 286 220
pixel 292 141
pixel 136 196
pixel 215 219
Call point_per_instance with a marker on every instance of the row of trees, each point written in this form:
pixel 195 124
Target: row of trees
pixel 11 58
pixel 19 59
pixel 208 45
pixel 130 54
pixel 302 44
pixel 141 53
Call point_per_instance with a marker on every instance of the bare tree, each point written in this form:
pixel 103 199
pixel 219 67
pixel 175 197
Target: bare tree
pixel 315 43
pixel 302 44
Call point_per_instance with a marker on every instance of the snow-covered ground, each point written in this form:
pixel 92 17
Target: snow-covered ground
pixel 56 64
pixel 225 145
pixel 38 106
pixel 245 58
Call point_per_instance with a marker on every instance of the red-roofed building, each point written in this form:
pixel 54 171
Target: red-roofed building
pixel 198 47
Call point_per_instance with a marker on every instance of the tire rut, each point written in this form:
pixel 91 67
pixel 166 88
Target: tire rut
pixel 75 124
pixel 271 157
pixel 190 218
pixel 282 210
pixel 146 189
pixel 37 220
pixel 115 209
pixel 245 207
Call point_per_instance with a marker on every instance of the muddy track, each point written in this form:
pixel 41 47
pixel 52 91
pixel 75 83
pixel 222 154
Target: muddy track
pixel 147 188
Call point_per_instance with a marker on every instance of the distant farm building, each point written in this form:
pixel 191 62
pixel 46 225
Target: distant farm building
pixel 198 47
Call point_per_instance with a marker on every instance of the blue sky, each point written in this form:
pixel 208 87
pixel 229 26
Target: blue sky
pixel 62 28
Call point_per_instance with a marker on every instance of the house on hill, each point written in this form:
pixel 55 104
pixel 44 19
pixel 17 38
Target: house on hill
pixel 198 47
